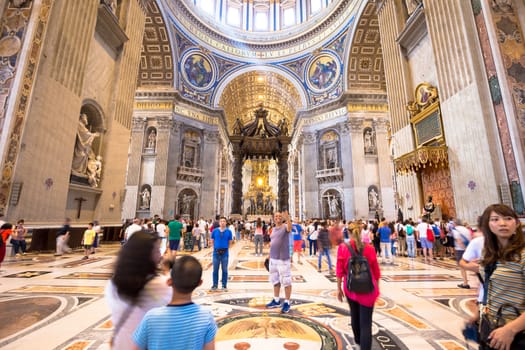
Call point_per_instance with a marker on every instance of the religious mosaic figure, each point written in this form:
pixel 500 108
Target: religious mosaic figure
pixel 152 139
pixel 324 72
pixel 198 70
pixel 83 151
pixel 145 198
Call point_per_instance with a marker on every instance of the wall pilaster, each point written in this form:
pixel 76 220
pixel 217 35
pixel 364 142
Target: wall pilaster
pixel 310 159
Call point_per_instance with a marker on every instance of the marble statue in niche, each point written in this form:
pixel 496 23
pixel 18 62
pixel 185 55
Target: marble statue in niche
pixel 369 141
pixel 94 171
pixel 331 158
pixel 187 201
pixel 373 199
pixel 334 207
pixel 145 198
pixel 83 152
pixel 152 139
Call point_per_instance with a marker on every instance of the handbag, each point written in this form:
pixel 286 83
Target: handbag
pixel 486 326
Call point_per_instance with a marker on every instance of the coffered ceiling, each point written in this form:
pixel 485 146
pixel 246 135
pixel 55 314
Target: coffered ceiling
pixel 244 94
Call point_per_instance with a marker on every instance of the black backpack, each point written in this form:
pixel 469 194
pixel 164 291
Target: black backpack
pixel 359 278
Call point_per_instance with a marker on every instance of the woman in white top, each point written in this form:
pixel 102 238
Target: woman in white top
pixel 136 287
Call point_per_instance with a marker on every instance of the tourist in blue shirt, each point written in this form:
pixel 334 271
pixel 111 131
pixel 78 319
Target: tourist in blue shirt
pixel 160 328
pixel 385 234
pixel 221 238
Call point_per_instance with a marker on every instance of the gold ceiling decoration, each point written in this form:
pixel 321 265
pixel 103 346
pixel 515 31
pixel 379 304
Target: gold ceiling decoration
pixel 431 156
pixel 249 91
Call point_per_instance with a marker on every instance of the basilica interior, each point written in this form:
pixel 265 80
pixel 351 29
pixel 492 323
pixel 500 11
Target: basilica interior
pixel 329 109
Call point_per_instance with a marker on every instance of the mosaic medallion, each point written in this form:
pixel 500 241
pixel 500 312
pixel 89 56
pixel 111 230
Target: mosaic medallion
pixel 197 70
pixel 323 72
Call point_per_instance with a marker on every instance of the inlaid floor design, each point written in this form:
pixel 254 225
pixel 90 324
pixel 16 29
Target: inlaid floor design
pixel 49 302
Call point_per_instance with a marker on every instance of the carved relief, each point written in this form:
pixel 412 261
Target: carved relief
pixel 356 124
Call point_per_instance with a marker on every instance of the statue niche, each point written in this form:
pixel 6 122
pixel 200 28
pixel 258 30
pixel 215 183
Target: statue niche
pixel 86 167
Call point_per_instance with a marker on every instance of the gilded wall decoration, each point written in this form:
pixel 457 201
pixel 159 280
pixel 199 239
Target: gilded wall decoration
pixel 20 110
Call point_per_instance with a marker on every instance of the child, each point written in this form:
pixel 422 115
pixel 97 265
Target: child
pixel 159 329
pixel 87 241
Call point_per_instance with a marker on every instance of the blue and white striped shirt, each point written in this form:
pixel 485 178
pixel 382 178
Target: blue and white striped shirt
pixel 188 327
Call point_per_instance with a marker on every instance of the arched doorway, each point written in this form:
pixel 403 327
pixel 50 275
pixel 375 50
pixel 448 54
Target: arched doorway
pixel 186 204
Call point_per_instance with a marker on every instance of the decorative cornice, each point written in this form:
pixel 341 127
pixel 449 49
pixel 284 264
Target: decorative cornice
pixel 164 123
pixel 138 124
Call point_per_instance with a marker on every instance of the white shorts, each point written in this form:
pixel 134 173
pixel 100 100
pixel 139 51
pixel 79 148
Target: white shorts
pixel 280 272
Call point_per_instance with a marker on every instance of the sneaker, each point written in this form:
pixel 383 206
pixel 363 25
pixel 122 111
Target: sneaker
pixel 85 257
pixel 273 304
pixel 213 289
pixel 300 262
pixel 464 286
pixel 224 289
pixel 286 308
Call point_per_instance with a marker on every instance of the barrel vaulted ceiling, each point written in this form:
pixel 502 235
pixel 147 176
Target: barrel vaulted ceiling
pixel 315 64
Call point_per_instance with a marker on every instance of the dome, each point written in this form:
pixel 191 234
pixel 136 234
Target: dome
pixel 263 28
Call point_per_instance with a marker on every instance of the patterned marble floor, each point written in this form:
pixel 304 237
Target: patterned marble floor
pixel 49 302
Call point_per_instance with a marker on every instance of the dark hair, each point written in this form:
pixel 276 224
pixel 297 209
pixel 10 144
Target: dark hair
pixel 259 222
pixel 492 250
pixel 135 265
pixel 186 274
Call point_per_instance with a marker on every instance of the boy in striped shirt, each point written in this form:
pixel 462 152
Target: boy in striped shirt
pixel 160 328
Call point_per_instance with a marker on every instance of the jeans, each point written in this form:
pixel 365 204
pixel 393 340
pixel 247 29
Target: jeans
pixel 312 244
pixel 361 319
pixel 222 260
pixel 411 246
pixel 258 244
pixel 18 244
pixel 324 251
pixel 196 240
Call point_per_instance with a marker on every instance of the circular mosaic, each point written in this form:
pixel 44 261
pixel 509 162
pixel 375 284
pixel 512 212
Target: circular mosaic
pixel 198 70
pixel 323 72
pixel 273 331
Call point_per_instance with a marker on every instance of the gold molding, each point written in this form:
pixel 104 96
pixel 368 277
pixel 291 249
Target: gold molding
pixel 431 156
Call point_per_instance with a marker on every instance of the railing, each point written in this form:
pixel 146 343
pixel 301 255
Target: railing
pixel 329 175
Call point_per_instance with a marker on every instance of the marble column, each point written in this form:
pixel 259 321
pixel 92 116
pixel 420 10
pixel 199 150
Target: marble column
pixel 158 194
pixel 385 168
pixel 309 161
pixel 210 159
pixel 346 164
pixel 358 192
pixel 283 184
pixel 237 181
pixel 129 209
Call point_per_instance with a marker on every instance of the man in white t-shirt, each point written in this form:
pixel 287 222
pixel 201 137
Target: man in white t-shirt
pixel 247 230
pixel 202 229
pixel 470 260
pixel 161 231
pixel 134 227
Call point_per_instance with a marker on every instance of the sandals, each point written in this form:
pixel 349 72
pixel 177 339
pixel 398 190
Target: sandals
pixel 464 286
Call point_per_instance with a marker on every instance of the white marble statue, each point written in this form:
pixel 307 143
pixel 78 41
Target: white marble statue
pixel 83 151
